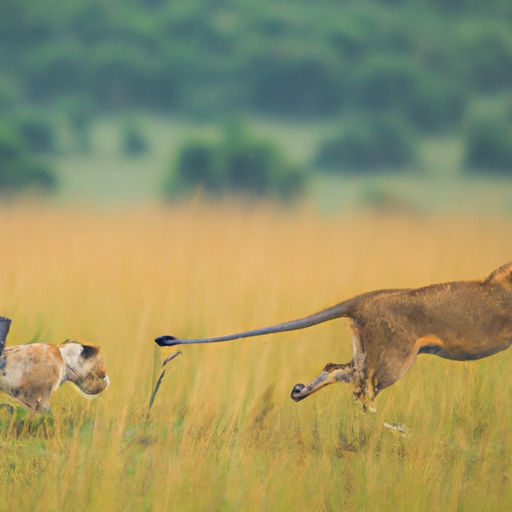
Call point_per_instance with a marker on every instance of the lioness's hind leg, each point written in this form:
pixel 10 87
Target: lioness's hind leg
pixel 365 391
pixel 331 373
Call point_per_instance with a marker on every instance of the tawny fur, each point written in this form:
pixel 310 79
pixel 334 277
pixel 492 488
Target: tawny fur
pixel 462 320
pixel 31 373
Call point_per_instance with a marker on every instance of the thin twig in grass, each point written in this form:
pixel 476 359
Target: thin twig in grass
pixel 159 381
pixel 397 428
pixel 171 357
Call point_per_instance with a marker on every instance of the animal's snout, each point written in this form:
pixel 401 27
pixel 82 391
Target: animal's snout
pixel 297 392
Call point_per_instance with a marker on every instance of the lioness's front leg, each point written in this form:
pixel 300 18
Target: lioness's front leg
pixel 331 373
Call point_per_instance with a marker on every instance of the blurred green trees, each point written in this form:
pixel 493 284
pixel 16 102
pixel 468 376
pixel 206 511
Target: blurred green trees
pixel 284 57
pixel 134 142
pixel 378 143
pixel 489 144
pixel 17 168
pixel 238 163
pixel 424 61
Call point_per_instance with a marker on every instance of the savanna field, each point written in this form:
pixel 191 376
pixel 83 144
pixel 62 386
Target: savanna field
pixel 223 433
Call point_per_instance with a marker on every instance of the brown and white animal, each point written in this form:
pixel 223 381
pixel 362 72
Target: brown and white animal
pixel 31 373
pixel 462 320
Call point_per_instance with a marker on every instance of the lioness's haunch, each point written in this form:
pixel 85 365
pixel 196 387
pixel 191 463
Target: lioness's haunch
pixel 462 320
pixel 31 373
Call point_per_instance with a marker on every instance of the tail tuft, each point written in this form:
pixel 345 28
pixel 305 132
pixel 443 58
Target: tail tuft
pixel 166 341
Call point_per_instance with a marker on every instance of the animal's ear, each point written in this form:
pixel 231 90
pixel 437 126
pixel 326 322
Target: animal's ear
pixel 88 351
pixel 502 274
pixel 508 272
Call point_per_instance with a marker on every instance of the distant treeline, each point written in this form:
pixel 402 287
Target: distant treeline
pixel 425 61
pixel 281 57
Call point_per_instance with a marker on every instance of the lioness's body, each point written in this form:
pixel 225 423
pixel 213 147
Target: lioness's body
pixel 31 373
pixel 462 320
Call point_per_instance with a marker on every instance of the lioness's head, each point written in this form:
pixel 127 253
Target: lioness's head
pixel 85 367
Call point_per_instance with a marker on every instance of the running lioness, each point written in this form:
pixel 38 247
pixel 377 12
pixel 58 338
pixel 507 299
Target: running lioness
pixel 31 373
pixel 462 320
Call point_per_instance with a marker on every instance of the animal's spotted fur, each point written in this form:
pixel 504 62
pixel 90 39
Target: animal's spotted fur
pixel 31 373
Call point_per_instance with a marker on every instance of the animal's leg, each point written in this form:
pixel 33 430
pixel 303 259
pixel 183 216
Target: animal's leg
pixel 365 391
pixel 5 323
pixel 330 374
pixel 386 354
pixel 363 384
pixel 36 398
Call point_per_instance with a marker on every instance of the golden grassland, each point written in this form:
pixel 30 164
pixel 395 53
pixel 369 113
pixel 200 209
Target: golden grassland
pixel 223 433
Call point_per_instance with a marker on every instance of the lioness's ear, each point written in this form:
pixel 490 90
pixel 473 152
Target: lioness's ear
pixel 508 273
pixel 88 351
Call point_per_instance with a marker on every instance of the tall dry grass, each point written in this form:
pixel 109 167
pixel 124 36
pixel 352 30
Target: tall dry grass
pixel 223 433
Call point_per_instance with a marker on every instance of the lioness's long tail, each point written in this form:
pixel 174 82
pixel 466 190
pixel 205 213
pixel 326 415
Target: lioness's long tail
pixel 344 309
